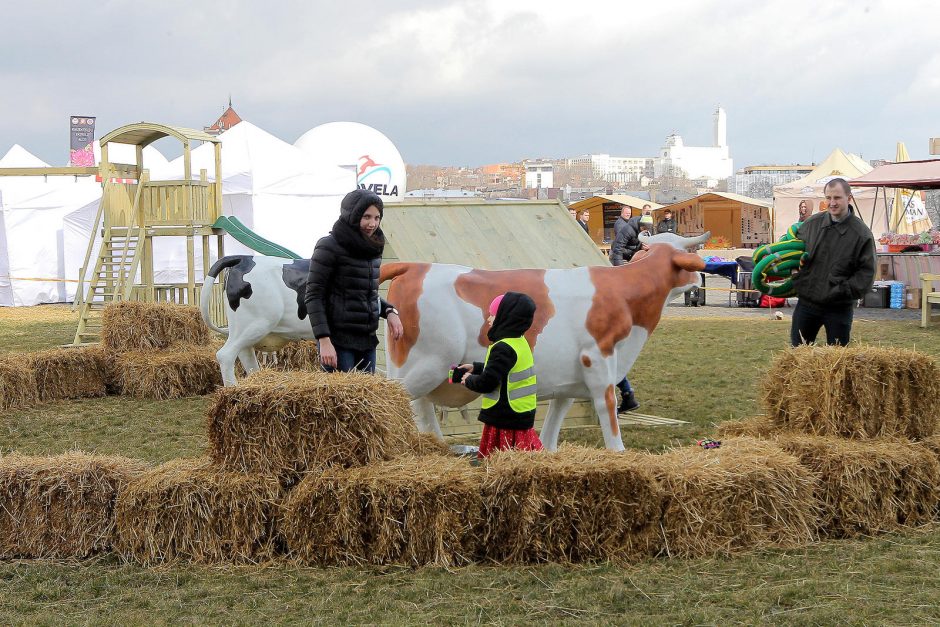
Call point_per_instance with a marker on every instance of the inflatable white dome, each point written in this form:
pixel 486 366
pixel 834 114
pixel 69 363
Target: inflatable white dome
pixel 378 164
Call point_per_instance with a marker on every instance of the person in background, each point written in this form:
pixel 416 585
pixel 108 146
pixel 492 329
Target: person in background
pixel 667 224
pixel 342 297
pixel 622 219
pixel 804 210
pixel 506 378
pixel 839 269
pixel 573 214
pixel 627 243
pixel 583 220
pixel 647 210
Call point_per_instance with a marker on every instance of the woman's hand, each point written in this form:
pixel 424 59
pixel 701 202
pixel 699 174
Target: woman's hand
pixel 463 379
pixel 395 326
pixel 327 352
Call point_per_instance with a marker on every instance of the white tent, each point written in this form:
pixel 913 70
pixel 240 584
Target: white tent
pixel 810 188
pixel 45 225
pixel 34 261
pixel 271 186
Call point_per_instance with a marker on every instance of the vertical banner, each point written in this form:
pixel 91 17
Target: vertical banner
pixel 82 137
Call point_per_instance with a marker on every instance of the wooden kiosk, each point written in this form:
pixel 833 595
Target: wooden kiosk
pixel 133 211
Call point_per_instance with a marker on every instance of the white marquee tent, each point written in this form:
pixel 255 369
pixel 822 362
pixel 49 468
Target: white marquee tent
pixel 838 164
pixel 45 224
pixel 270 185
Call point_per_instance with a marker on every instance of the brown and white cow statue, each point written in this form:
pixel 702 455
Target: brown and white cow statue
pixel 590 325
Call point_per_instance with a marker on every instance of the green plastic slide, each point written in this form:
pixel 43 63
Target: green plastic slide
pixel 252 240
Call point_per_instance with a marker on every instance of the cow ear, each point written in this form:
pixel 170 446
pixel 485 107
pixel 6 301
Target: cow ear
pixel 689 261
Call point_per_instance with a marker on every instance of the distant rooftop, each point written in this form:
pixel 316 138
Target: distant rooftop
pixel 794 167
pixel 227 120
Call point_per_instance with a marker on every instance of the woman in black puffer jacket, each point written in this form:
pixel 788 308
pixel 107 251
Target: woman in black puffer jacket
pixel 343 286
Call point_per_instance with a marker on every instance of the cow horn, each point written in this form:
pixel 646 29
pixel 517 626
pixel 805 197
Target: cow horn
pixel 695 242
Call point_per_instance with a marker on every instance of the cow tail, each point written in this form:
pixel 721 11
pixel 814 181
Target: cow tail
pixel 204 299
pixel 391 270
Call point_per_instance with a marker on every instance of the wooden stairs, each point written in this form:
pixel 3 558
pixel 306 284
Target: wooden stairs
pixel 112 280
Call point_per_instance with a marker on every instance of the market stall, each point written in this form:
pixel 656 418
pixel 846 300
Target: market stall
pixel 921 250
pixel 735 221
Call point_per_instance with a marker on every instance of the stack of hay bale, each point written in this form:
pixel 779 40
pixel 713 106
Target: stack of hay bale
pixel 148 350
pixel 159 350
pixel 864 421
pixel 290 434
pixel 60 506
pixel 56 374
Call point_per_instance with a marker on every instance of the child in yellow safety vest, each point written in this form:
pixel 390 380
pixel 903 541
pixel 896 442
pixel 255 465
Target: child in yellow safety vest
pixel 507 378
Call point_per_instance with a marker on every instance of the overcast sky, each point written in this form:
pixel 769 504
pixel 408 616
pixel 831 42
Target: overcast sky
pixel 472 82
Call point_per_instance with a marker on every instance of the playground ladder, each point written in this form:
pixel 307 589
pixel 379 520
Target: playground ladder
pixel 114 274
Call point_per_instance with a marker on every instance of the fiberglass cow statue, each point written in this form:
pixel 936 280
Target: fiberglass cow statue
pixel 590 324
pixel 589 327
pixel 264 304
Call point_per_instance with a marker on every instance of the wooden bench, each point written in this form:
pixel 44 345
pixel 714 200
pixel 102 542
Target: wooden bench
pixel 928 296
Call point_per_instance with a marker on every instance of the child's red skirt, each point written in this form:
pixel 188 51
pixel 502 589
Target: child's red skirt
pixel 496 439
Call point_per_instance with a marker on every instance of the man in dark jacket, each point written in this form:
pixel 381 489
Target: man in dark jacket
pixel 627 242
pixel 342 296
pixel 583 220
pixel 839 269
pixel 667 224
pixel 622 220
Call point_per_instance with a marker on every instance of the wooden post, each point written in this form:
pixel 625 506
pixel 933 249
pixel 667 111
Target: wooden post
pixel 191 270
pixel 205 257
pixel 146 273
pixel 217 208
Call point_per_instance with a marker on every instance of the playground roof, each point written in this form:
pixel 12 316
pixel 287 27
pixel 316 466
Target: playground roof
pixel 145 133
pixel 487 235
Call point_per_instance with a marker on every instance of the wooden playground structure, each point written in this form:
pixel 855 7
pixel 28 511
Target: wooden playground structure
pixel 133 211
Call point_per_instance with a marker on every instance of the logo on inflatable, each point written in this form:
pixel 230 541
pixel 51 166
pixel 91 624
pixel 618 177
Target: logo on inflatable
pixel 375 177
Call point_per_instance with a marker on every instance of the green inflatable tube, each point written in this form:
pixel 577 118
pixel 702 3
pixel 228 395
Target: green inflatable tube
pixel 774 263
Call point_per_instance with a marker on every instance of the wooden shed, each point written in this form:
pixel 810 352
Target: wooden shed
pixel 605 209
pixel 735 221
pixel 498 235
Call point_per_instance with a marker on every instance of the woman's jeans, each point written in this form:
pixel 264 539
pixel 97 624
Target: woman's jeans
pixel 348 359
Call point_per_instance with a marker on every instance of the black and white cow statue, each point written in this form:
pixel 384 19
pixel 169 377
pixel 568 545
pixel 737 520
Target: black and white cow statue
pixel 265 307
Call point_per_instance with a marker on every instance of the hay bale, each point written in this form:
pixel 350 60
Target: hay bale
pixel 747 494
pixel 285 424
pixel 577 504
pixel 70 372
pixel 60 506
pixel 299 355
pixel 189 509
pixel 17 381
pixel 854 392
pixel 424 444
pixel 190 371
pixel 412 511
pixel 139 326
pixel 868 487
pixel 759 427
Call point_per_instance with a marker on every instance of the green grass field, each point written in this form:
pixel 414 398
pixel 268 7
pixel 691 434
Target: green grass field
pixel 700 370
